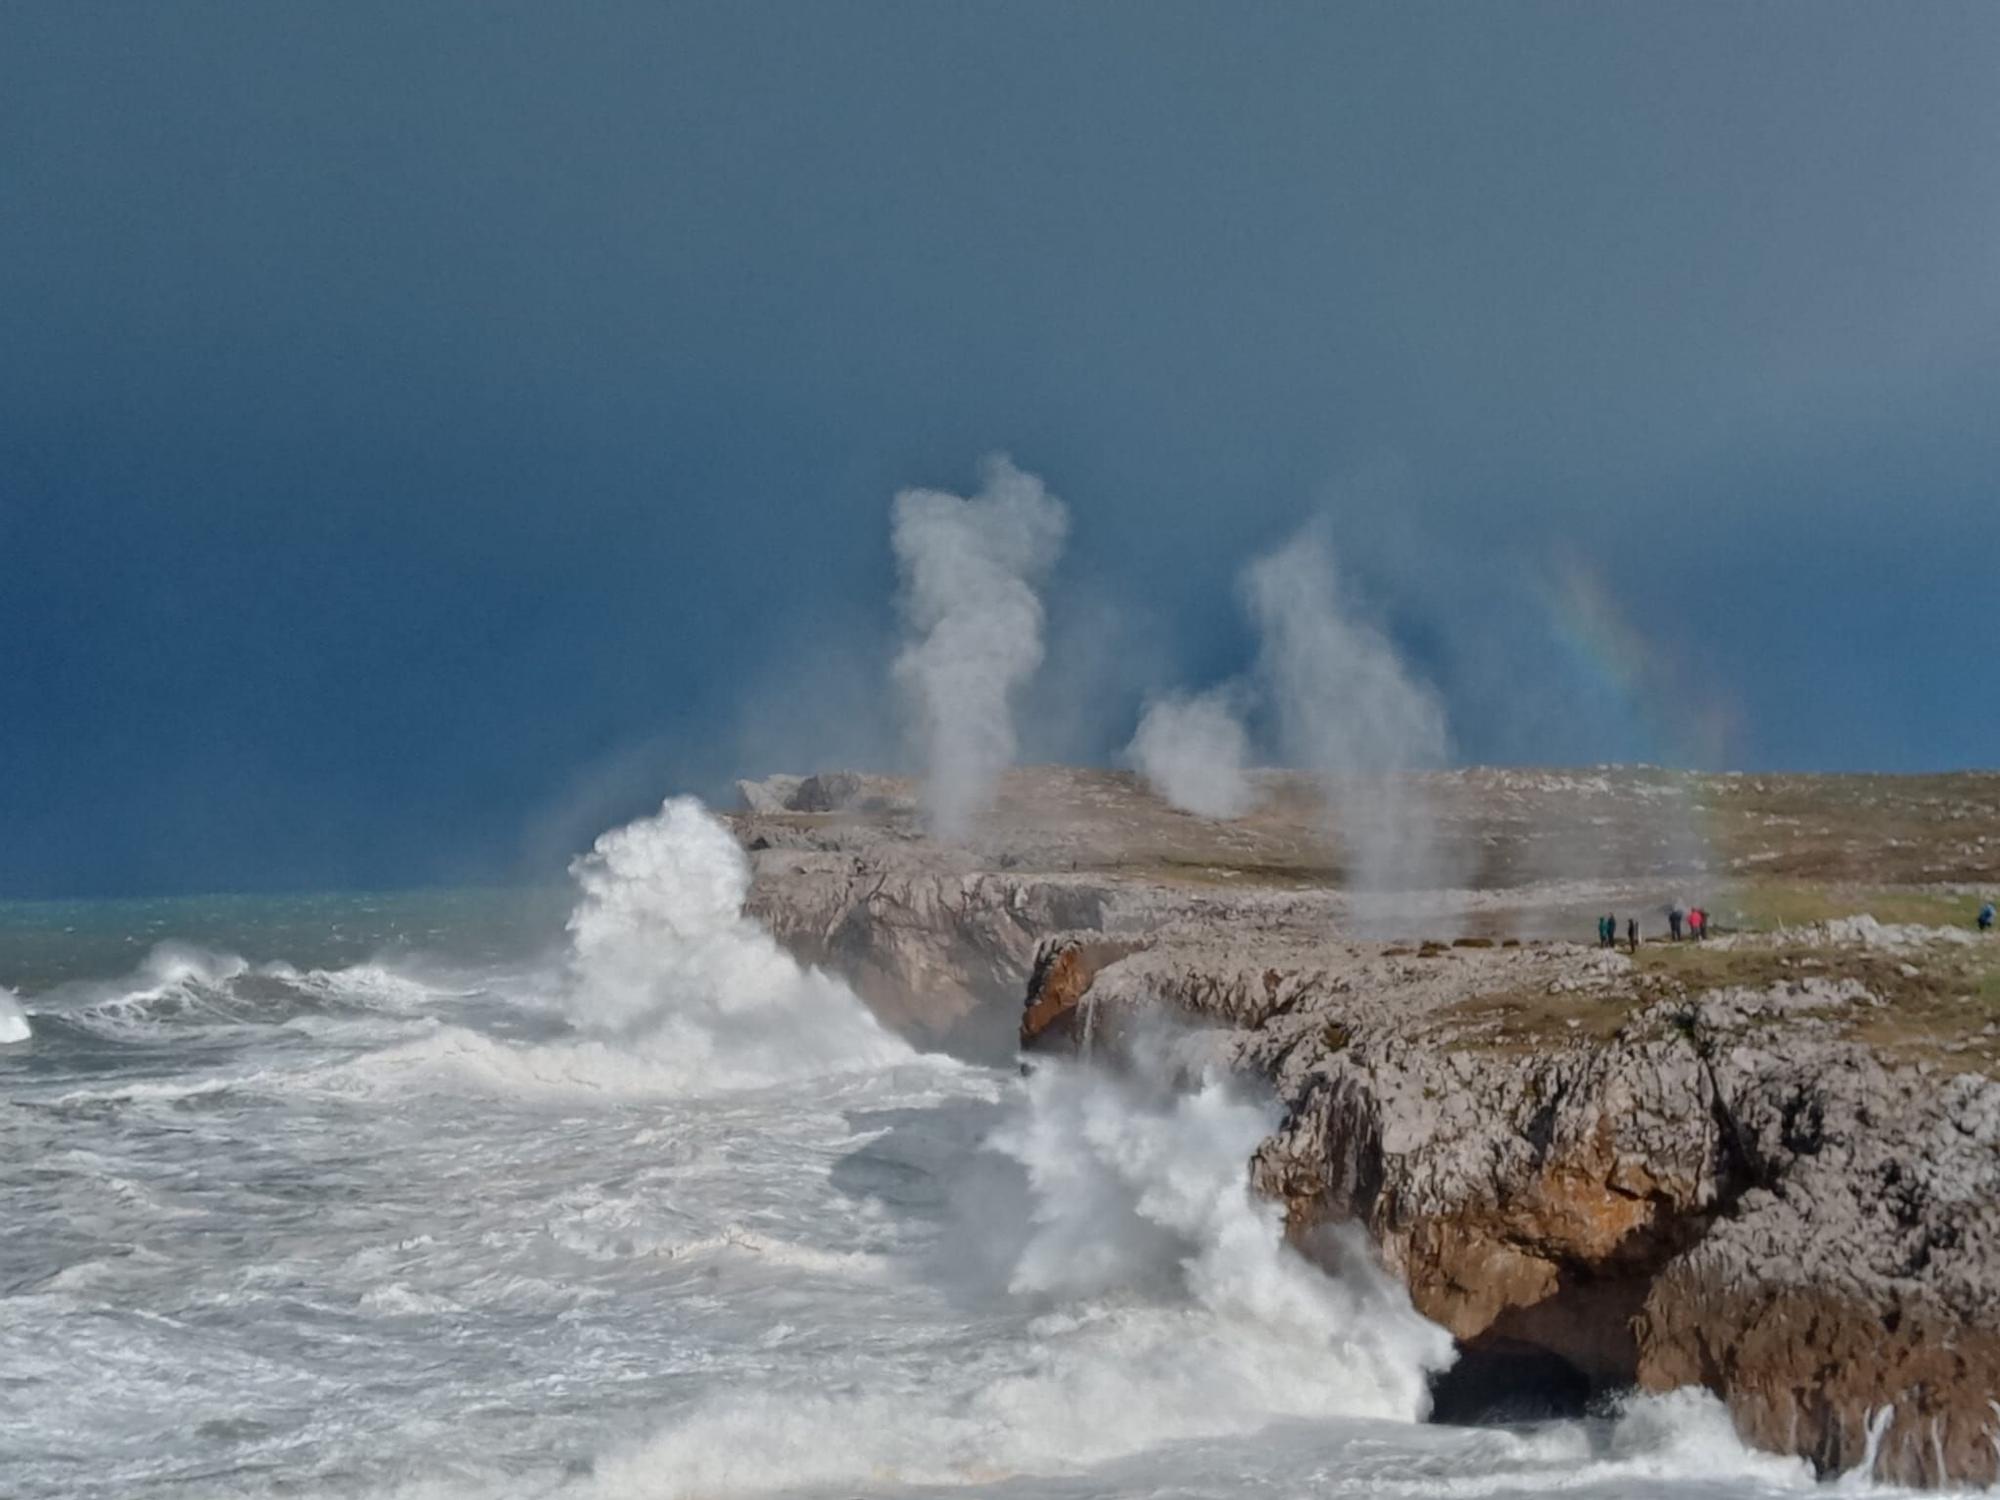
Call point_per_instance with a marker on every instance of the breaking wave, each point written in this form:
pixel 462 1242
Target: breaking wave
pixel 14 1026
pixel 669 988
pixel 1159 1303
pixel 180 990
pixel 174 985
pixel 761 1246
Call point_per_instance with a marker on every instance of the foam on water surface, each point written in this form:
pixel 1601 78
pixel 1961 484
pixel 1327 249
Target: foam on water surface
pixel 14 1026
pixel 667 1214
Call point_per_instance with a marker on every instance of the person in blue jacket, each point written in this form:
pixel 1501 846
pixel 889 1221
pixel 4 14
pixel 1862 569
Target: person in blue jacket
pixel 1986 917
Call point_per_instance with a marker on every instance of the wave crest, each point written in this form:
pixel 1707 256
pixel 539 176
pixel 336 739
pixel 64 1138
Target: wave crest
pixel 14 1027
pixel 674 991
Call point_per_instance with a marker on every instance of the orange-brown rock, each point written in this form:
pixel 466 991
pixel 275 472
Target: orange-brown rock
pixel 1755 1187
pixel 1718 1193
pixel 1809 1373
pixel 1060 979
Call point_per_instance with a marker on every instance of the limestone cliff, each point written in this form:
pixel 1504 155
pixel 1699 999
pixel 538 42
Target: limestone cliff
pixel 1658 1183
pixel 1769 1165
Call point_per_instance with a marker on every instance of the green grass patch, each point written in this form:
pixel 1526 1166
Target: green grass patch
pixel 1522 1019
pixel 1936 1002
pixel 1767 905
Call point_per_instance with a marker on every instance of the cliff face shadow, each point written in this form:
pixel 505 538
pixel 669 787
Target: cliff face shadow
pixel 1503 1382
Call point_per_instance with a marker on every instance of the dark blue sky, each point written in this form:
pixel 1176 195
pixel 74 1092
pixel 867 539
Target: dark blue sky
pixel 427 432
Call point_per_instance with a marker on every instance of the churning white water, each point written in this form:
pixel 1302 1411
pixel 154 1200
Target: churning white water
pixel 662 1213
pixel 13 1020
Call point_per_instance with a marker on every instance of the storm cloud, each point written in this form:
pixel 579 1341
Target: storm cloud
pixel 422 419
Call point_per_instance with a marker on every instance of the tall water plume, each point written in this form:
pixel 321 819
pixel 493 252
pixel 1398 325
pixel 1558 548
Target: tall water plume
pixel 973 626
pixel 1139 1183
pixel 665 963
pixel 1346 706
pixel 1193 750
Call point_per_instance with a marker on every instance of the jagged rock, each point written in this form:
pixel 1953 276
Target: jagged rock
pixel 771 795
pixel 1778 1181
pixel 937 952
pixel 1705 1195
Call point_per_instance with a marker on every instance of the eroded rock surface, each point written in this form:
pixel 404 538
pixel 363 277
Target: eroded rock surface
pixel 1662 1186
pixel 1769 1166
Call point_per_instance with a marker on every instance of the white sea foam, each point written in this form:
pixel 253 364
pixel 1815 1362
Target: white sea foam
pixel 674 991
pixel 1131 1182
pixel 1155 1301
pixel 1688 1434
pixel 375 985
pixel 176 984
pixel 180 989
pixel 609 1266
pixel 14 1026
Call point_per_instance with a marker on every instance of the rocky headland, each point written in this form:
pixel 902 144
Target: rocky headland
pixel 1768 1164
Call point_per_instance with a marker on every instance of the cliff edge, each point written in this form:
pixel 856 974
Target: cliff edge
pixel 1768 1164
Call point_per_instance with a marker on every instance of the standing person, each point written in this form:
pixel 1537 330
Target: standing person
pixel 1675 916
pixel 1698 923
pixel 1632 933
pixel 1986 917
pixel 1600 932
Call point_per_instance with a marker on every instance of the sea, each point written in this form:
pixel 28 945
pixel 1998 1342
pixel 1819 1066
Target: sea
pixel 595 1192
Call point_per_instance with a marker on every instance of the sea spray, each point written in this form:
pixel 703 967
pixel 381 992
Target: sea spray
pixel 1347 706
pixel 1336 698
pixel 1688 1434
pixel 176 988
pixel 671 988
pixel 1193 750
pixel 14 1026
pixel 1141 1186
pixel 663 957
pixel 969 570
pixel 631 1289
pixel 1150 1299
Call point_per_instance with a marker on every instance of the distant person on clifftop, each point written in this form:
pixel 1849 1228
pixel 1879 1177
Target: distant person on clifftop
pixel 1986 917
pixel 1632 933
pixel 1675 916
pixel 1698 924
pixel 1606 926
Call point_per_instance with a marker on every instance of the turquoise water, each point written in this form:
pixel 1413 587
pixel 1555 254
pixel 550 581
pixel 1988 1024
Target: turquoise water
pixel 44 944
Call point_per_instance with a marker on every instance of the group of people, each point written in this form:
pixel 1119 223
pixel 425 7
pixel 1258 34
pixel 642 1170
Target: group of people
pixel 1693 921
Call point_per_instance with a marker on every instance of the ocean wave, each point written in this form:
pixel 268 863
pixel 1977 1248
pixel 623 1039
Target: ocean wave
pixel 14 1027
pixel 179 989
pixel 669 990
pixel 672 1065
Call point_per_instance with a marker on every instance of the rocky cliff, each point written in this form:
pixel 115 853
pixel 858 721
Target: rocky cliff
pixel 1769 1165
pixel 1648 1178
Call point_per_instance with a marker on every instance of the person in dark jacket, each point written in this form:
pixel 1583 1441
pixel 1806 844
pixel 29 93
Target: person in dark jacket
pixel 1986 917
pixel 1632 933
pixel 1675 916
